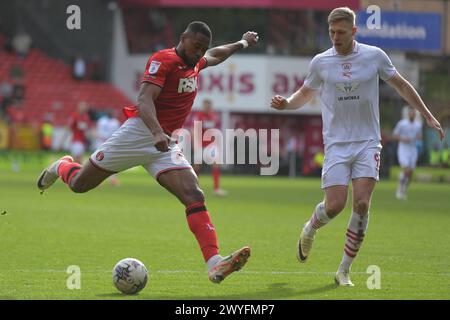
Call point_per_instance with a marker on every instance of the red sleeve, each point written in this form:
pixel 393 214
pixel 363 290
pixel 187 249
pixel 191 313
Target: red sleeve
pixel 202 64
pixel 156 70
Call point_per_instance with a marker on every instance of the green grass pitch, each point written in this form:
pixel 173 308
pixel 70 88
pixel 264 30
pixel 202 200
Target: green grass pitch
pixel 42 235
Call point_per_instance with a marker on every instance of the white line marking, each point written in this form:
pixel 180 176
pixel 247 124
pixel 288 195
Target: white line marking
pixel 446 274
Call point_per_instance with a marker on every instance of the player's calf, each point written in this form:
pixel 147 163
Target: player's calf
pixel 85 178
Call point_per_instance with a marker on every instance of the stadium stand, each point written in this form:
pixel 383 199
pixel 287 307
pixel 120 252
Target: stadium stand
pixel 50 88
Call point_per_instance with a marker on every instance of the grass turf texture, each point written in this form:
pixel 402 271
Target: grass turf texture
pixel 41 235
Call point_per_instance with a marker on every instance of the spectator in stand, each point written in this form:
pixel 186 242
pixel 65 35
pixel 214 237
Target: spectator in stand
pixel 6 91
pixel 16 73
pixel 17 76
pixel 21 43
pixel 79 67
pixel 18 94
pixel 96 69
pixel 47 132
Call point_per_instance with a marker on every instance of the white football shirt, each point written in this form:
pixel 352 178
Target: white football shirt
pixel 106 127
pixel 410 130
pixel 349 92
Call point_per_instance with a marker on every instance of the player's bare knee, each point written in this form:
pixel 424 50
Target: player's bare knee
pixel 333 208
pixel 193 195
pixel 198 195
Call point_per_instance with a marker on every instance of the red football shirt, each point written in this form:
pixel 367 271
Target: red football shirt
pixel 179 88
pixel 209 121
pixel 79 124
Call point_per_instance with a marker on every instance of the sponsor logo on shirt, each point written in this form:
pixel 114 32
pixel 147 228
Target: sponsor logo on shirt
pixel 187 85
pixel 347 87
pixel 154 66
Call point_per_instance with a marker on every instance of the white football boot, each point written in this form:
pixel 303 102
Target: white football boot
pixel 50 174
pixel 342 278
pixel 304 246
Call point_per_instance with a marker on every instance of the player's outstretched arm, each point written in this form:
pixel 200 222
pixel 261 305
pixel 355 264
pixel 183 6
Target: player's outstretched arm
pixel 407 92
pixel 296 101
pixel 216 55
pixel 146 106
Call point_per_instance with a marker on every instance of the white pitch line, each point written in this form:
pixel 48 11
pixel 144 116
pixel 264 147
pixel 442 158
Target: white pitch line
pixel 446 274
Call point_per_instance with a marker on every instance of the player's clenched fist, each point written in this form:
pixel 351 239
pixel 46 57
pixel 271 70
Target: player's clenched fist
pixel 161 142
pixel 251 37
pixel 279 103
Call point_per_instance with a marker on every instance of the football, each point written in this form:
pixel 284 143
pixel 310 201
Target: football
pixel 129 276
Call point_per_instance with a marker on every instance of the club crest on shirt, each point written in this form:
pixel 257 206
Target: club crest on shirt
pixel 99 156
pixel 346 69
pixel 154 66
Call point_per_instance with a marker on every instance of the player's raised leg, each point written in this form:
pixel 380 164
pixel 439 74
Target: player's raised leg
pixel 357 227
pixel 183 184
pixel 334 203
pixel 79 178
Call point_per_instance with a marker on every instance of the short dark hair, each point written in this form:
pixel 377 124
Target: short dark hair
pixel 199 27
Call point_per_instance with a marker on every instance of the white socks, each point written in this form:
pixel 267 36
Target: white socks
pixel 403 182
pixel 354 237
pixel 318 219
pixel 213 261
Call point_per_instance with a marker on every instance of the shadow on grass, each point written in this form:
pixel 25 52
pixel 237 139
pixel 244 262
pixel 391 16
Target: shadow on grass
pixel 273 292
pixel 115 295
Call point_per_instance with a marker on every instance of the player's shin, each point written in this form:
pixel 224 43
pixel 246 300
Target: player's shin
pixel 201 226
pixel 354 237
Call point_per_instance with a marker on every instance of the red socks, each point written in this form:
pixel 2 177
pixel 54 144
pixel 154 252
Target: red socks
pixel 201 226
pixel 216 177
pixel 67 170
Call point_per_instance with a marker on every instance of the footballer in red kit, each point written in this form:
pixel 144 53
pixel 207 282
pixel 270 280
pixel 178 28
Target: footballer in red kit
pixel 167 93
pixel 209 120
pixel 79 124
pixel 166 69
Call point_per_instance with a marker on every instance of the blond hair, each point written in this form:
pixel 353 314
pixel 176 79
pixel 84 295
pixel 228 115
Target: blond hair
pixel 342 13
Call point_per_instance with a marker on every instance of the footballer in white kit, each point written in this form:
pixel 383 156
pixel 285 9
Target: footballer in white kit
pixel 348 88
pixel 407 132
pixel 345 77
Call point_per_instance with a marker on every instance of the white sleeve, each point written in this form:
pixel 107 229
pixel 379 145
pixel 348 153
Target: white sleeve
pixel 386 69
pixel 313 79
pixel 398 128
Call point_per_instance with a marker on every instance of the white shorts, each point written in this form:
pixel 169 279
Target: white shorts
pixel 133 145
pixel 77 149
pixel 407 157
pixel 350 160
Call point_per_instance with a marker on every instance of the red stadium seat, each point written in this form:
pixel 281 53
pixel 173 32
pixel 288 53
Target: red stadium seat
pixel 49 81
